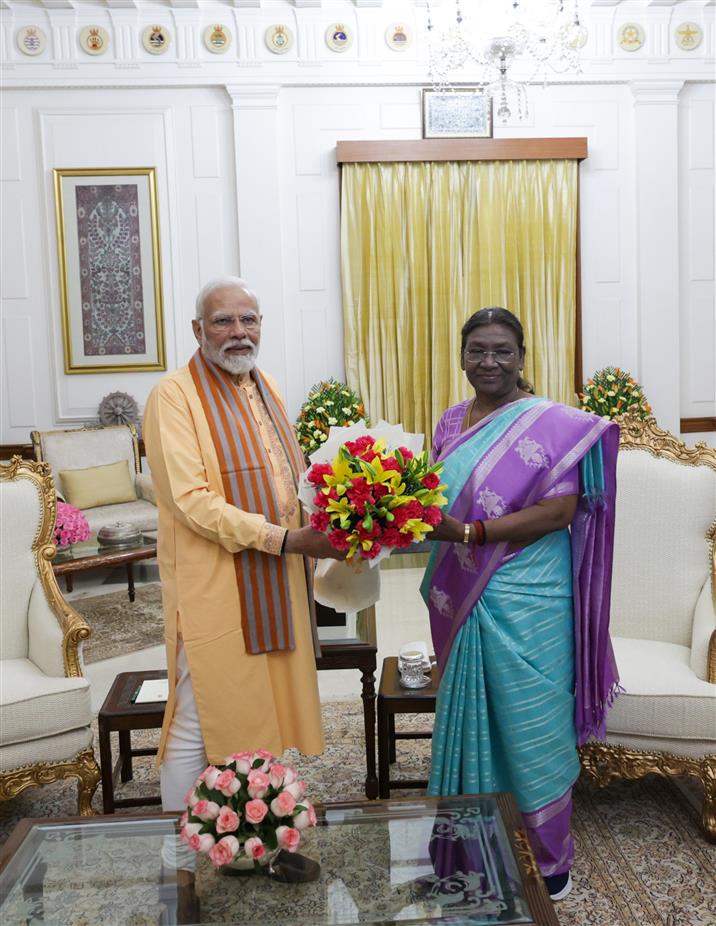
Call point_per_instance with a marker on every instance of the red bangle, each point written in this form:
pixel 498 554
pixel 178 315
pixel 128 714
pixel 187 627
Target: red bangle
pixel 480 533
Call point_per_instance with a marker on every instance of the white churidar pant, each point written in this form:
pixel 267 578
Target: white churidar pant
pixel 184 760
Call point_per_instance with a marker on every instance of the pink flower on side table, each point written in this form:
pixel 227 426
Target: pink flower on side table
pixel 70 525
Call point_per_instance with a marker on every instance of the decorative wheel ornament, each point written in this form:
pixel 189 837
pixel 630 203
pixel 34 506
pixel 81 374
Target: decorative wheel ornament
pixel 118 408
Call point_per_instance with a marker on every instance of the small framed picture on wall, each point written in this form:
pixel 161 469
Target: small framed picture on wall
pixel 463 113
pixel 110 269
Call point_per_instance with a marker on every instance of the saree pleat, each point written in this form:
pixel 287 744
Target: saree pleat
pixel 505 711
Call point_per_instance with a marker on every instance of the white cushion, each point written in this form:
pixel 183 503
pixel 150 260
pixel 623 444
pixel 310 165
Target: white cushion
pixel 664 510
pixel 141 514
pixel 96 447
pixel 45 644
pixel 58 748
pixel 145 488
pixel 35 705
pixel 662 695
pixel 20 520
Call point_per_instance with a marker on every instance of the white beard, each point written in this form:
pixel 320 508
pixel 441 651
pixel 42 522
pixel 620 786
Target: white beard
pixel 234 365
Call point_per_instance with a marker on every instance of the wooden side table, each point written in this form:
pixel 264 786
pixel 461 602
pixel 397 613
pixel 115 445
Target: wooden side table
pixel 120 714
pixel 394 699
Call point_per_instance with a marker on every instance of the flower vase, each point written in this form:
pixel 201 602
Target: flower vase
pixel 287 867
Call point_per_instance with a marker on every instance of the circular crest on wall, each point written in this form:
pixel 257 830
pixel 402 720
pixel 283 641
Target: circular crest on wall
pixel 688 36
pixel 631 37
pixel 94 40
pixel 118 408
pixel 279 39
pixel 156 39
pixel 339 37
pixel 398 37
pixel 31 40
pixel 576 35
pixel 217 39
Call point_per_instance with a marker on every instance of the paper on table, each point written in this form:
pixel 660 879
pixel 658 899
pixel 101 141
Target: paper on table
pixel 151 690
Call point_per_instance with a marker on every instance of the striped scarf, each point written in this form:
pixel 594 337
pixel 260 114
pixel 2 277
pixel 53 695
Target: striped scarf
pixel 262 578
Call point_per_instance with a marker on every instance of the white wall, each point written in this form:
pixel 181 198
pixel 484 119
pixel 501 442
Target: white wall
pixel 244 146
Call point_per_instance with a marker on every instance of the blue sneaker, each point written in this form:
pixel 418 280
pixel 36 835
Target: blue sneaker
pixel 558 886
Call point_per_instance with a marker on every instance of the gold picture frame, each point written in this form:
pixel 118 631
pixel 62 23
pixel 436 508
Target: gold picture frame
pixel 110 290
pixel 462 113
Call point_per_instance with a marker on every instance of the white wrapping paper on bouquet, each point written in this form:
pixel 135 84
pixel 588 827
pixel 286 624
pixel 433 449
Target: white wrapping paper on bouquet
pixel 352 586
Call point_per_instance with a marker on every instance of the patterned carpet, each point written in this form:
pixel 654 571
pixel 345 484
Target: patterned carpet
pixel 641 859
pixel 120 626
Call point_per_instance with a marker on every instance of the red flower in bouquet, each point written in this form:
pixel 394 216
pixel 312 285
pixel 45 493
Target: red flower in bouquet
pixel 70 525
pixel 247 808
pixel 370 499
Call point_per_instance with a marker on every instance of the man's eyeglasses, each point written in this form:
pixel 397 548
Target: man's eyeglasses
pixel 225 322
pixel 501 356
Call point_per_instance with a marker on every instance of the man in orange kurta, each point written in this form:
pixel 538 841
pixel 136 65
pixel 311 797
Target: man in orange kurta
pixel 222 697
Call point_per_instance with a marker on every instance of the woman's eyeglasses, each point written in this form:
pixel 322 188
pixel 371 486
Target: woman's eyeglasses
pixel 500 356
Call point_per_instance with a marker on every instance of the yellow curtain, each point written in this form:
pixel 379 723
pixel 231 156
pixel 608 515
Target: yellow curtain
pixel 424 245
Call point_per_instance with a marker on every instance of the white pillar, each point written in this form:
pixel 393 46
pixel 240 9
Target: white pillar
pixel 657 244
pixel 258 200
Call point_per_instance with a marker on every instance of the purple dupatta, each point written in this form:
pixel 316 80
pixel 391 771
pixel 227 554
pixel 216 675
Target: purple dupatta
pixel 511 459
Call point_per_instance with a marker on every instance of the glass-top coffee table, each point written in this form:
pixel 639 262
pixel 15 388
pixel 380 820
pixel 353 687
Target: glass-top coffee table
pixel 462 860
pixel 89 554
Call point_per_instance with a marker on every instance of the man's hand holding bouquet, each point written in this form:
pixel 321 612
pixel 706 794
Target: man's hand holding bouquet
pixel 371 492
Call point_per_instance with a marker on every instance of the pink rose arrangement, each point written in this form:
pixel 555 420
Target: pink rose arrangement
pixel 370 499
pixel 247 808
pixel 70 525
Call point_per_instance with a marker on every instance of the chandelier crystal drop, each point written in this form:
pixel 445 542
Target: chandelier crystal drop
pixel 540 37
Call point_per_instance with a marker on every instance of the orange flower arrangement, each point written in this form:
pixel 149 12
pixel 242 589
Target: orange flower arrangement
pixel 611 391
pixel 329 404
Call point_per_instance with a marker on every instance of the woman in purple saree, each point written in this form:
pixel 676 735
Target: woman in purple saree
pixel 518 601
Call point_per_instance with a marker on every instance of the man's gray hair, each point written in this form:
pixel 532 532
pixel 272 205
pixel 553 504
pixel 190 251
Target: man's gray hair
pixel 221 283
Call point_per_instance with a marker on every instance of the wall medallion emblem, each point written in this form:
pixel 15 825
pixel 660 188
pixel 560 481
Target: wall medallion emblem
pixel 94 40
pixel 398 37
pixel 688 36
pixel 217 39
pixel 631 37
pixel 156 40
pixel 31 40
pixel 339 37
pixel 279 39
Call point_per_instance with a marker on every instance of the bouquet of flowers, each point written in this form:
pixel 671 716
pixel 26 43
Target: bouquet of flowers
pixel 329 404
pixel 248 808
pixel 370 500
pixel 611 391
pixel 70 525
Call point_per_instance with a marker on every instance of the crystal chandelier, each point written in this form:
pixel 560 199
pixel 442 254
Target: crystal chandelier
pixel 546 35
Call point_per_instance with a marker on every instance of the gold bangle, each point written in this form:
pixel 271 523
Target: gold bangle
pixel 466 535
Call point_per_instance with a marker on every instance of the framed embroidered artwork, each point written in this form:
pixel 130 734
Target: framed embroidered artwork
pixel 110 269
pixel 464 113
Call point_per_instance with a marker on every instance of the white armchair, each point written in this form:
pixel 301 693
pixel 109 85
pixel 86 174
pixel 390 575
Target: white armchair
pixel 45 710
pixel 81 448
pixel 663 614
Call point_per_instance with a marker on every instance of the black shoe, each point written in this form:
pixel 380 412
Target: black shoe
pixel 558 886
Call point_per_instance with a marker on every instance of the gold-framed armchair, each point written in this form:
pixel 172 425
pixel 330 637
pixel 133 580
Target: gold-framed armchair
pixel 663 614
pixel 45 709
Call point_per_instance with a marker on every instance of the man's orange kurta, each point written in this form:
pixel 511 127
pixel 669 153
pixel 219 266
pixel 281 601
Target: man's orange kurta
pixel 245 702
